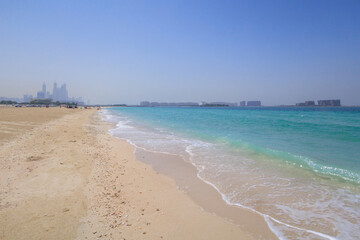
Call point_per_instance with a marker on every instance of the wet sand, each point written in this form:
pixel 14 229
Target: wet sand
pixel 64 177
pixel 205 195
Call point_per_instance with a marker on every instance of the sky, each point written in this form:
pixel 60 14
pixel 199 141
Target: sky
pixel 279 52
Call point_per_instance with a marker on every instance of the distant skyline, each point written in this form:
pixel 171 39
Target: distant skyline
pixel 279 52
pixel 57 93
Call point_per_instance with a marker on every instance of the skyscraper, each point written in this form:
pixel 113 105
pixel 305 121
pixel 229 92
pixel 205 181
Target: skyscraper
pixel 55 95
pixel 41 94
pixel 44 89
pixel 63 93
pixel 60 94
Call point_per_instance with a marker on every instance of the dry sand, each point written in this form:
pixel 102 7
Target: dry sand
pixel 63 177
pixel 16 121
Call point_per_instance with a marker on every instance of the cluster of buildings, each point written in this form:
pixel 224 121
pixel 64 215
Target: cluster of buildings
pixel 217 104
pixel 321 103
pixel 201 104
pixel 59 94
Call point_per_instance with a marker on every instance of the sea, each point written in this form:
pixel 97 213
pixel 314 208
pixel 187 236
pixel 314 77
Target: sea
pixel 298 167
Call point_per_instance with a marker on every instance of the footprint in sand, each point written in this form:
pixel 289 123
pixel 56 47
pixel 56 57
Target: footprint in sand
pixel 34 158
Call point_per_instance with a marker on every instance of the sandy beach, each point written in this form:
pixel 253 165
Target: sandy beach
pixel 64 177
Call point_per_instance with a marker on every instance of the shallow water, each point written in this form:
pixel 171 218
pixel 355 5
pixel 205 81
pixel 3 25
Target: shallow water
pixel 298 167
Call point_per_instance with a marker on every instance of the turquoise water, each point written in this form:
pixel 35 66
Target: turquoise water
pixel 289 154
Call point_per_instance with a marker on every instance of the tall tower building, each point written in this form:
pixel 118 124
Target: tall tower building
pixel 45 94
pixel 63 93
pixel 44 88
pixel 55 95
pixel 60 93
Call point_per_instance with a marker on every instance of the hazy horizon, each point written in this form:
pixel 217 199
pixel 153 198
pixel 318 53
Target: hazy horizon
pixel 109 52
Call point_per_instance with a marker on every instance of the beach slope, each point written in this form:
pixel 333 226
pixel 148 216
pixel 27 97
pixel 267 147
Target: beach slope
pixel 64 177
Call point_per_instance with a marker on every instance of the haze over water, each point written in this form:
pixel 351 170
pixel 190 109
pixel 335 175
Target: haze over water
pixel 299 167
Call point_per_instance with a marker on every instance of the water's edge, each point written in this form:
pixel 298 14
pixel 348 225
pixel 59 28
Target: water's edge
pixel 147 156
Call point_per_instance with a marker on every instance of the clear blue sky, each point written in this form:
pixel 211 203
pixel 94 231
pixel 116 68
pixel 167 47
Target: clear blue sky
pixel 280 52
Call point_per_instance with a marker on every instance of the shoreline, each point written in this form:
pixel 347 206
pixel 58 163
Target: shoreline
pixel 165 167
pixel 204 193
pixel 184 176
pixel 187 179
pixel 239 215
pixel 67 178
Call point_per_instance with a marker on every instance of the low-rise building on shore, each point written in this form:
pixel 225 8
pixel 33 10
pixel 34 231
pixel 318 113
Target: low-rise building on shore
pixel 329 103
pixel 254 103
pixel 321 103
pixel 306 104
